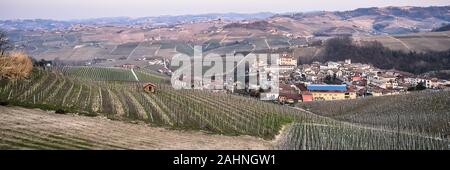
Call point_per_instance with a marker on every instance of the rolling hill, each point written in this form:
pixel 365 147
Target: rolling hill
pixel 110 101
pixel 37 129
pixel 398 28
pixel 419 42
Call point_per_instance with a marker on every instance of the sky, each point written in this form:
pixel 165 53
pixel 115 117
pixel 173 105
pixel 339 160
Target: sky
pixel 83 9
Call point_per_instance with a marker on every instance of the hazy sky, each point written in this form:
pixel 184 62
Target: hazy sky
pixel 80 9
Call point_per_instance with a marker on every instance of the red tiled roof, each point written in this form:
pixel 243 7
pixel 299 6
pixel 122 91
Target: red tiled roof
pixel 306 93
pixel 149 84
pixel 301 86
pixel 290 96
pixel 332 91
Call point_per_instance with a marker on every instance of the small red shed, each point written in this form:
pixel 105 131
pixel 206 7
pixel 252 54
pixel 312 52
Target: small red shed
pixel 149 87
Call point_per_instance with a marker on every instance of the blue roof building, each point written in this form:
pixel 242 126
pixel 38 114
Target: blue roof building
pixel 324 87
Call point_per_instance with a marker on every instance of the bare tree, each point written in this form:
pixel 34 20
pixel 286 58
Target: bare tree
pixel 4 42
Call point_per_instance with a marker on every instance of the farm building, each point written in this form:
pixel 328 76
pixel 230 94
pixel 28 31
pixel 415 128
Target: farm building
pixel 129 66
pixel 149 87
pixel 307 96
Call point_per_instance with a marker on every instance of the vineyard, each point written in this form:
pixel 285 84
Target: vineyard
pixel 426 113
pixel 117 94
pixel 23 128
pixel 100 74
pixel 310 136
pixel 81 90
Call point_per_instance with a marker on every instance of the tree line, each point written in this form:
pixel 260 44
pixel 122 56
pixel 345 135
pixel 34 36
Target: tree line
pixel 341 48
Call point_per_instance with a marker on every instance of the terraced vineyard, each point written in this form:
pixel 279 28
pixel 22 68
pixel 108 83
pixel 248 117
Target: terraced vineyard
pixel 100 74
pixel 126 100
pixel 421 42
pixel 22 128
pixel 310 136
pixel 427 112
pixel 84 91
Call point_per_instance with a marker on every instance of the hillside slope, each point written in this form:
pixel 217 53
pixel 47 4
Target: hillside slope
pixel 109 93
pixel 419 42
pixel 22 128
pixel 425 112
pixel 404 122
pixel 365 21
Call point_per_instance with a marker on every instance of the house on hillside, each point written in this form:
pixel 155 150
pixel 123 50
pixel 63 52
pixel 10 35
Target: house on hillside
pixel 149 87
pixel 289 98
pixel 129 66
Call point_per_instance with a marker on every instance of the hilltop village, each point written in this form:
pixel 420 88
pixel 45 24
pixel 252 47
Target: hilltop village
pixel 339 80
pixel 346 80
pixel 332 80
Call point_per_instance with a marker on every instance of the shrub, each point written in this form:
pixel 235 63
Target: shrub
pixel 4 103
pixel 16 65
pixel 60 111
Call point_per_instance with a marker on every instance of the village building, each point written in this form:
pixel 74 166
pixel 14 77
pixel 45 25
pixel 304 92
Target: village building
pixel 286 62
pixel 289 98
pixel 306 96
pixel 129 66
pixel 414 81
pixel 288 94
pixel 330 92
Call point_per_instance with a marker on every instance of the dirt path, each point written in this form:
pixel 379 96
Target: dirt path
pixel 157 51
pixel 134 74
pixel 36 129
pixel 267 43
pixel 224 38
pixel 132 52
pixel 400 41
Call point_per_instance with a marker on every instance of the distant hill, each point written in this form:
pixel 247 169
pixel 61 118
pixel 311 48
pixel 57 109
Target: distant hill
pixel 362 21
pixel 259 25
pixel 339 49
pixel 46 24
pixel 420 42
pixel 388 20
pixel 33 24
pixel 445 27
pixel 163 36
